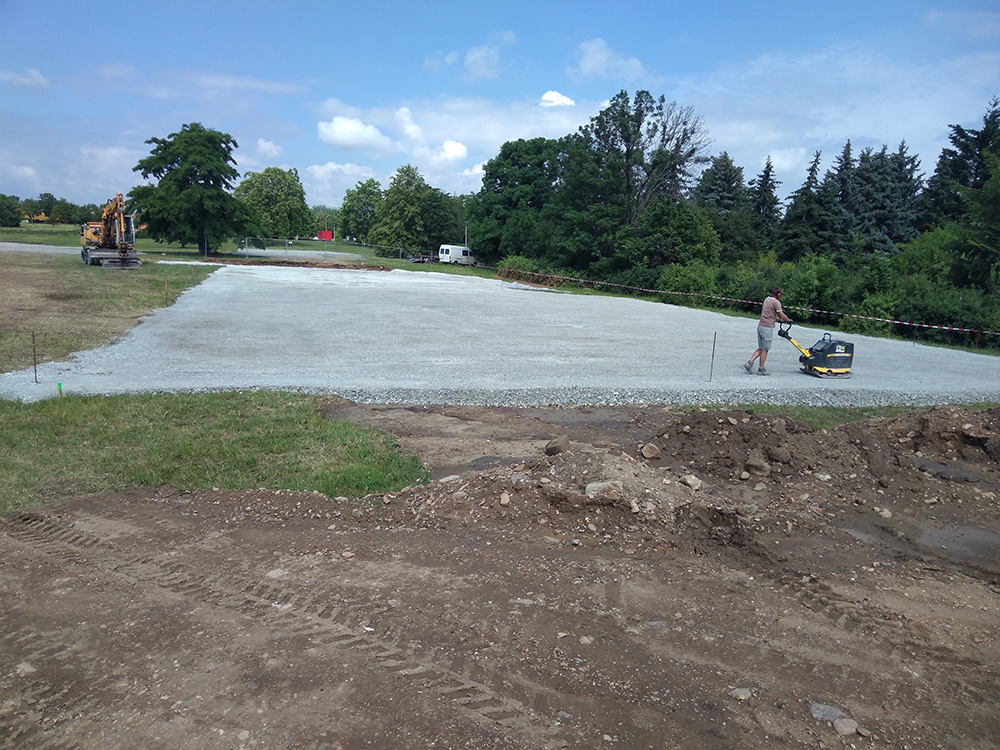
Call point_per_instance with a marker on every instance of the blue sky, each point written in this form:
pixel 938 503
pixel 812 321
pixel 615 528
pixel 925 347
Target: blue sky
pixel 347 91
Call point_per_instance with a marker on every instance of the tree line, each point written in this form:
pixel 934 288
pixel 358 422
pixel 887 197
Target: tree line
pixel 46 208
pixel 634 199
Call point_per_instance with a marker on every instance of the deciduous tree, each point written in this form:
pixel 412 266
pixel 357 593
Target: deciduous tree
pixel 191 202
pixel 651 147
pixel 10 211
pixel 358 210
pixel 278 202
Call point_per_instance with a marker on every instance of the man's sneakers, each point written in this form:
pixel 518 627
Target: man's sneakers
pixel 748 367
pixel 762 371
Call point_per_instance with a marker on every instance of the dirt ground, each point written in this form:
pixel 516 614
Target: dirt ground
pixel 632 577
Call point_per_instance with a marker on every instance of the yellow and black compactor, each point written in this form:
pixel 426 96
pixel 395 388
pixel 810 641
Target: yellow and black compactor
pixel 827 358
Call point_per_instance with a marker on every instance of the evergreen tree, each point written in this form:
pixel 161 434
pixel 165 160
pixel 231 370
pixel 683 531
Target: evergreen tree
pixel 907 186
pixel 721 187
pixel 765 207
pixel 798 233
pixel 962 166
pixel 724 198
pixel 846 178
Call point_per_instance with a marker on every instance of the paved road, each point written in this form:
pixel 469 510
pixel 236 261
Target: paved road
pixel 407 337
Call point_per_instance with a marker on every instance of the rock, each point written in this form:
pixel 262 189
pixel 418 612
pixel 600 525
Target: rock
pixel 826 713
pixel 449 478
pixel 759 487
pixel 25 668
pixel 692 481
pixel 650 507
pixel 756 465
pixel 824 477
pixel 650 451
pixel 586 640
pixel 635 505
pixel 277 574
pixel 885 513
pixel 779 426
pixel 741 694
pixel 347 554
pixel 557 445
pixel 732 420
pixel 504 499
pixel 845 726
pixel 779 454
pixel 603 488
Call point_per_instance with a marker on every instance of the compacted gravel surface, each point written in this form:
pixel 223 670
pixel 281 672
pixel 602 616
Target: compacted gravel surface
pixel 414 337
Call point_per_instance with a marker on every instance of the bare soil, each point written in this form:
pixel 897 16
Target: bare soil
pixel 669 579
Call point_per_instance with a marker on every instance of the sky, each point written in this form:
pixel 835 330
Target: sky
pixel 343 92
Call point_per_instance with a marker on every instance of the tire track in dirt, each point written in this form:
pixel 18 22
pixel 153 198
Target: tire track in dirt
pixel 323 623
pixel 723 535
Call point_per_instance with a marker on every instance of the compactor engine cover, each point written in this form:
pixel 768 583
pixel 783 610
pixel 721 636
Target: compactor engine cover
pixel 829 358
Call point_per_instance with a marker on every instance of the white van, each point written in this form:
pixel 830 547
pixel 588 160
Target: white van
pixel 456 254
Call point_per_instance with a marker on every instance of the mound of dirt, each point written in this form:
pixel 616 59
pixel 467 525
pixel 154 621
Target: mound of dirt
pixel 570 577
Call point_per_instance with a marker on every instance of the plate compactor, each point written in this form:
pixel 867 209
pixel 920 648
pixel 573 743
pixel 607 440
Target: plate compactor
pixel 826 358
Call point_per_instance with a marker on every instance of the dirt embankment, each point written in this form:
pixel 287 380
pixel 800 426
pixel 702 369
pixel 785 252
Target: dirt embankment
pixel 603 577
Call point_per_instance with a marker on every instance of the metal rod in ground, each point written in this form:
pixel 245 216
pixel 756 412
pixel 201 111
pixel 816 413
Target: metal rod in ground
pixel 34 355
pixel 711 370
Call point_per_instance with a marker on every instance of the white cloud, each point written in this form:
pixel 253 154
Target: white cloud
pixel 410 130
pixel 555 99
pixel 790 106
pixel 327 183
pixel 597 60
pixel 439 60
pixel 484 61
pixel 449 152
pixel 31 78
pixel 351 133
pixel 268 149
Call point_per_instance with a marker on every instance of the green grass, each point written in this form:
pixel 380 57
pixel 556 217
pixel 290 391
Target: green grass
pixel 74 446
pixel 826 417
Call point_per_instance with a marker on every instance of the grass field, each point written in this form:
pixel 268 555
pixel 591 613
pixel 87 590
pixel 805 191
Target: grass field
pixel 80 445
pixel 68 447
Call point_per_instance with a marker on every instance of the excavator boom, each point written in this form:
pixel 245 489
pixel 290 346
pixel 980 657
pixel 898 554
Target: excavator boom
pixel 110 241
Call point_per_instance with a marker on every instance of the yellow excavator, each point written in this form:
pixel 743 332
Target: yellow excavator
pixel 110 242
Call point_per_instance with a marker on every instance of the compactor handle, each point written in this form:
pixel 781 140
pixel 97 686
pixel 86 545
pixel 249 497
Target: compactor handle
pixel 783 329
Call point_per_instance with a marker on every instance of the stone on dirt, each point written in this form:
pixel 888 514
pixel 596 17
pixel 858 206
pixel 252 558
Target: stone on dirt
pixel 692 481
pixel 756 465
pixel 650 451
pixel 603 488
pixel 557 445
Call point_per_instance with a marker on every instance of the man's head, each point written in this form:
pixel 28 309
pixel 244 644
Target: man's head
pixel 776 291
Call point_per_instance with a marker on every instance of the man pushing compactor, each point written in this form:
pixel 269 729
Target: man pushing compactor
pixel 770 314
